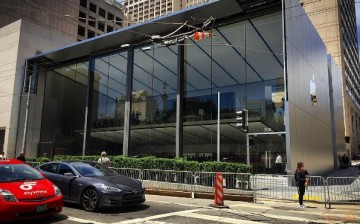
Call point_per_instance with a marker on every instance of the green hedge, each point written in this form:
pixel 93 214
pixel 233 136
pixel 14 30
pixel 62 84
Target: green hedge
pixel 40 159
pixel 164 164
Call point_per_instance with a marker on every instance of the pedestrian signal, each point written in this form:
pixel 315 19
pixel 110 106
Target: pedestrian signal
pixel 241 119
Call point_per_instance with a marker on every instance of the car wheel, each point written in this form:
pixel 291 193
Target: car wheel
pixel 90 200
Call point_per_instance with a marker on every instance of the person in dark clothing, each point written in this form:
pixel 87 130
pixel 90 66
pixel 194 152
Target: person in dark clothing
pixel 345 161
pixel 21 157
pixel 302 181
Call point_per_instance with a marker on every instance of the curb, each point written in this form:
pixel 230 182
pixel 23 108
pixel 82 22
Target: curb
pixel 230 197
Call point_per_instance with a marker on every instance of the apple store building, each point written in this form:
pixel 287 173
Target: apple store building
pixel 172 86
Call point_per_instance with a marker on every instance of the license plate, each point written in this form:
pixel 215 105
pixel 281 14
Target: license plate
pixel 41 208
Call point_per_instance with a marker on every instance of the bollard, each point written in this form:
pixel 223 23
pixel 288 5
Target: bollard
pixel 219 192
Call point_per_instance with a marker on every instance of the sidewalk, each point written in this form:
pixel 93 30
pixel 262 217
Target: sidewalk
pixel 349 172
pixel 267 211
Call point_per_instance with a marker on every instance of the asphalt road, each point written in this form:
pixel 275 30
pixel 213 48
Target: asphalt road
pixel 171 210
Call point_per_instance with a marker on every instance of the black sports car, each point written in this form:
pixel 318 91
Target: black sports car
pixel 92 185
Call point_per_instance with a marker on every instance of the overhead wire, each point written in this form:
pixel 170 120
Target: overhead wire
pixel 135 22
pixel 153 22
pixel 180 23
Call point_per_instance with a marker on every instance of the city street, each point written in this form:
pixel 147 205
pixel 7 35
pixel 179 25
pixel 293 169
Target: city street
pixel 166 210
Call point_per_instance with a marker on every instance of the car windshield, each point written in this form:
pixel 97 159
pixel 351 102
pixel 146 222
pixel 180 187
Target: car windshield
pixel 18 172
pixel 92 169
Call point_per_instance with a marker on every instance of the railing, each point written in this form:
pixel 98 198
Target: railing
pixel 332 190
pixel 234 183
pixel 129 172
pixel 168 180
pixel 284 187
pixel 343 190
pixel 329 191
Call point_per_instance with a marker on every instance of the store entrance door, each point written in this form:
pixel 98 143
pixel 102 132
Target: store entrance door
pixel 264 149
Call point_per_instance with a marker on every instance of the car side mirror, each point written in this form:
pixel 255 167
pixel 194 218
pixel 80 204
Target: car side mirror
pixel 69 174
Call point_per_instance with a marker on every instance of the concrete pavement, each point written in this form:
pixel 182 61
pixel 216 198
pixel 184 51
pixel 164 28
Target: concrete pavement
pixel 351 171
pixel 174 210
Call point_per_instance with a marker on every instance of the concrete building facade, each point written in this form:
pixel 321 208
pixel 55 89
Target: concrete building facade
pixel 335 20
pixel 45 13
pixel 20 40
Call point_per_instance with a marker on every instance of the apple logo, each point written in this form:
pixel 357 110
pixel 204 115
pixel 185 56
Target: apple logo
pixel 313 91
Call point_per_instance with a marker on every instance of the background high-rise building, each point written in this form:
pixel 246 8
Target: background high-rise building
pixel 97 17
pixel 48 13
pixel 76 19
pixel 335 21
pixel 142 10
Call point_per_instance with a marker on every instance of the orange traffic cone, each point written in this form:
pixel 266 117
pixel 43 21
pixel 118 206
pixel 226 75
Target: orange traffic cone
pixel 219 192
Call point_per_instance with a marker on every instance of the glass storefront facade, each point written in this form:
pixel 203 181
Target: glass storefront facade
pixel 242 60
pixel 64 110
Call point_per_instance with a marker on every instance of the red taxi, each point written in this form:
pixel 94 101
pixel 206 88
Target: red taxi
pixel 25 193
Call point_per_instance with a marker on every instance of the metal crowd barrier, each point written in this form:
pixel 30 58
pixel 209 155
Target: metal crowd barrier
pixel 343 190
pixel 329 191
pixel 332 190
pixel 129 172
pixel 168 180
pixel 284 187
pixel 234 183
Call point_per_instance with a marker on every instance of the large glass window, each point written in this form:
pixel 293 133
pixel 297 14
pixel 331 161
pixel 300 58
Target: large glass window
pixel 199 108
pixel 108 105
pixel 153 108
pixel 64 110
pixel 242 61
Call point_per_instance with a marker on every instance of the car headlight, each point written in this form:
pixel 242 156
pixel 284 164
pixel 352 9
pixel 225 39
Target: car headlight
pixel 57 190
pixel 109 188
pixel 8 196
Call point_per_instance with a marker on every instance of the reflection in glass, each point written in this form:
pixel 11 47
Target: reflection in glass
pixel 153 107
pixel 108 104
pixel 64 110
pixel 242 61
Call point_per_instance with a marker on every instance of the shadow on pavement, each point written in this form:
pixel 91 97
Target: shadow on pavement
pixel 113 209
pixel 125 209
pixel 48 220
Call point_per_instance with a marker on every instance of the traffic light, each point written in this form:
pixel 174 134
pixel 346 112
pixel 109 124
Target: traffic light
pixel 251 141
pixel 241 119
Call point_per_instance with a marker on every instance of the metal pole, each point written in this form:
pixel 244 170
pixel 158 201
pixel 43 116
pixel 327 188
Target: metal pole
pixel 179 101
pixel 247 138
pixel 266 159
pixel 247 149
pixel 268 133
pixel 88 106
pixel 26 116
pixel 218 129
pixel 85 128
